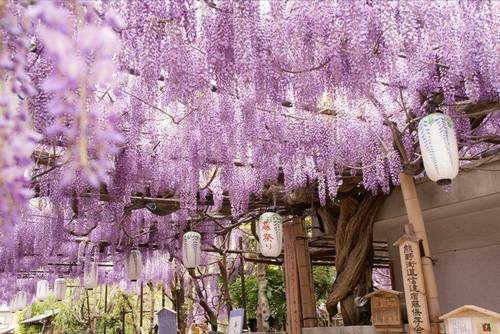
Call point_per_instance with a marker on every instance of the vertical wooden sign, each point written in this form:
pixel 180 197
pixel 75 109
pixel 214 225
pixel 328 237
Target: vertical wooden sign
pixel 167 322
pixel 235 325
pixel 413 279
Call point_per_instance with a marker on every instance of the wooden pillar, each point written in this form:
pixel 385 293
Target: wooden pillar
pixel 292 290
pixel 301 304
pixel 415 218
pixel 306 284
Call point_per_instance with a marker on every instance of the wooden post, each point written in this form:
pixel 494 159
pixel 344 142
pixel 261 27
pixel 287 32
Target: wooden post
pixel 88 307
pixel 306 284
pixel 415 218
pixel 292 289
pixel 415 295
pixel 152 314
pixel 141 306
pixel 243 289
pixel 105 304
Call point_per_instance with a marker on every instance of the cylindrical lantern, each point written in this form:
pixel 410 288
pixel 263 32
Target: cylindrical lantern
pixel 90 276
pixel 191 249
pixel 438 145
pixel 134 268
pixel 21 300
pixel 270 232
pixel 42 290
pixel 77 293
pixel 60 288
pixel 13 304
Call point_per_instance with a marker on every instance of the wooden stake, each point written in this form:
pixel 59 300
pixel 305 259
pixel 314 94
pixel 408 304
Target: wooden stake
pixel 105 303
pixel 88 307
pixel 415 218
pixel 141 306
pixel 414 286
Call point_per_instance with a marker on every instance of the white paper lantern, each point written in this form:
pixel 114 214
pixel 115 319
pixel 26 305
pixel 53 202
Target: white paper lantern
pixel 42 290
pixel 91 276
pixel 13 304
pixel 438 145
pixel 134 268
pixel 21 300
pixel 77 293
pixel 191 249
pixel 270 233
pixel 60 288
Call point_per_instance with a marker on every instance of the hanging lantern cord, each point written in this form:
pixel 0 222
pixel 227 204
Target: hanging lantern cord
pixel 274 201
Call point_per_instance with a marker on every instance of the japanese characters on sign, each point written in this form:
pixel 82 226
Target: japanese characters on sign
pixel 416 302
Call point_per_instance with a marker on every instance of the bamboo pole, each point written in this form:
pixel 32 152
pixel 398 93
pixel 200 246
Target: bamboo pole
pixel 415 218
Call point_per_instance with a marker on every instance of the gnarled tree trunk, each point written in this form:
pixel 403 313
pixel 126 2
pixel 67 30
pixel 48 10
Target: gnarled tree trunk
pixel 354 257
pixel 263 310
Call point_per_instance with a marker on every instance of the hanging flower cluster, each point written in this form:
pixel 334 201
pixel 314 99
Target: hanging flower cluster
pixel 17 137
pixel 83 77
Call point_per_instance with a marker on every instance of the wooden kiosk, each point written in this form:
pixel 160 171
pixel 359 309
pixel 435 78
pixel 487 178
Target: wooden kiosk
pixel 386 311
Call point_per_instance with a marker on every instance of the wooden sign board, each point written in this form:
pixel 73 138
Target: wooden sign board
pixel 413 279
pixel 167 322
pixel 470 319
pixel 386 310
pixel 236 321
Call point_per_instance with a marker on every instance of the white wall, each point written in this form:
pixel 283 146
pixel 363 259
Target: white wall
pixel 463 227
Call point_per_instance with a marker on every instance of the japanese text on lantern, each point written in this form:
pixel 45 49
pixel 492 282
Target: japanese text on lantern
pixel 268 238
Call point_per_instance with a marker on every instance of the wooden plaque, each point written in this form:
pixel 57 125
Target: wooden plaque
pixel 386 310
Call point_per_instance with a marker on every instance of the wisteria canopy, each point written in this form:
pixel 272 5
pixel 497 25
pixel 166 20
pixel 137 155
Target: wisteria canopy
pixel 125 123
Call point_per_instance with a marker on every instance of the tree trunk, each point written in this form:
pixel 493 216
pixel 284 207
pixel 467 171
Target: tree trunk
pixel 225 283
pixel 262 302
pixel 354 257
pixel 211 315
